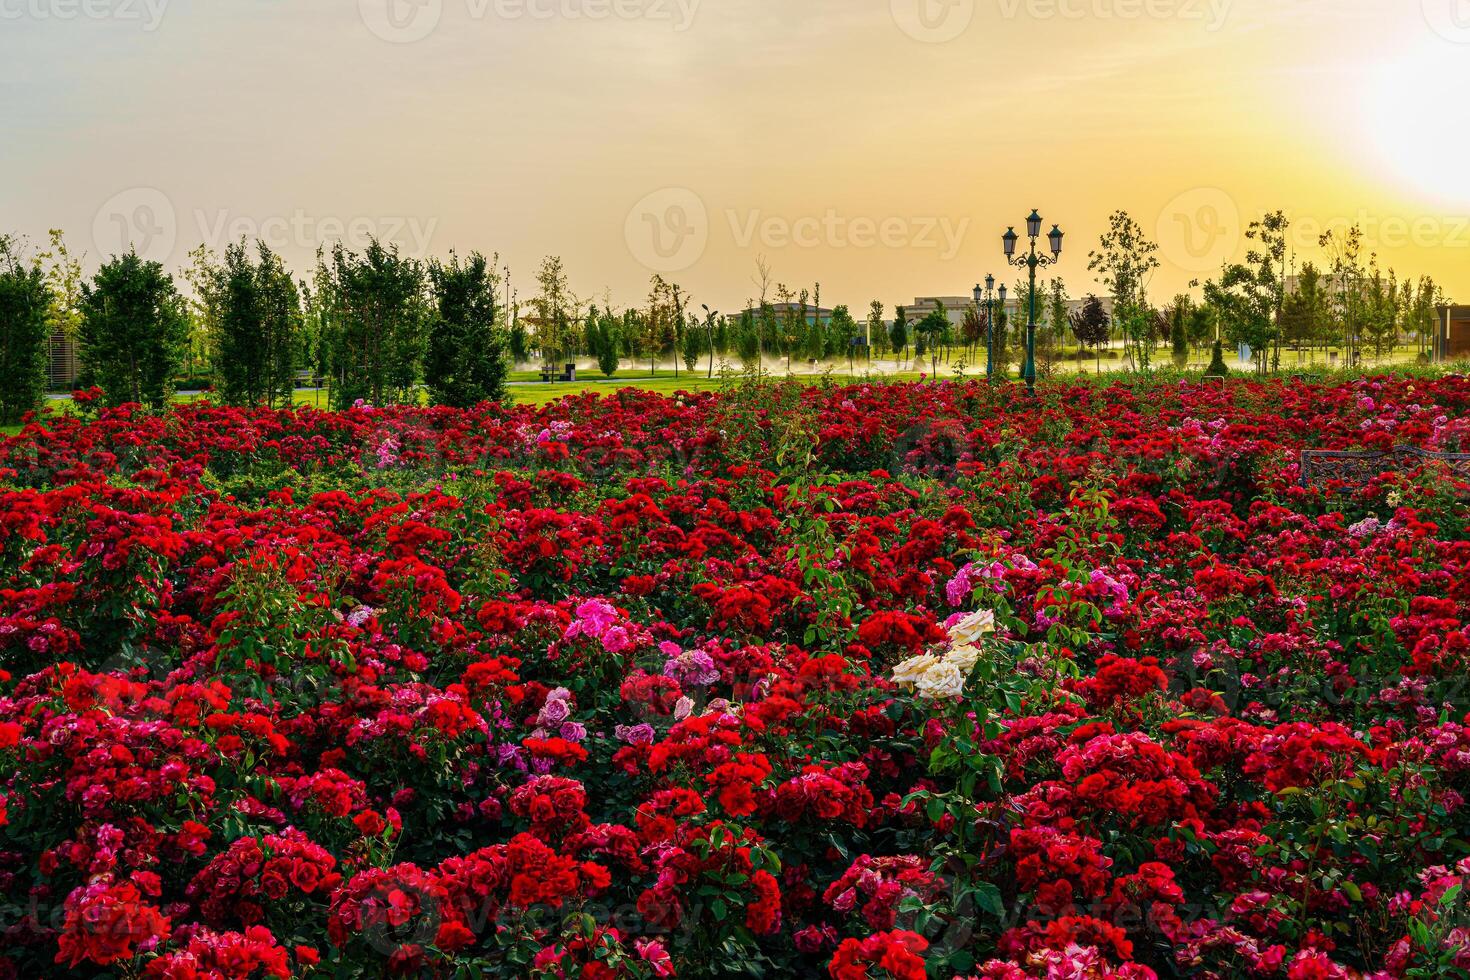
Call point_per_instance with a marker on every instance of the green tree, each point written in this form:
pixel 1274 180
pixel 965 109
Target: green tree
pixel 133 331
pixel 748 341
pixel 520 340
pixel 1246 309
pixel 609 343
pixel 874 333
pixel 930 331
pixel 1010 331
pixel 898 333
pixel 1251 295
pixel 1419 316
pixel 1201 325
pixel 1178 315
pixel 203 306
pixel 26 303
pixel 64 279
pixel 466 360
pixel 316 333
pixel 1049 344
pixel 1305 315
pixel 1381 312
pixel 1124 262
pixel 253 309
pixel 659 332
pixel 843 331
pixel 1268 255
pixel 555 311
pixel 722 336
pixel 1091 325
pixel 972 328
pixel 380 307
pixel 691 347
pixel 1344 247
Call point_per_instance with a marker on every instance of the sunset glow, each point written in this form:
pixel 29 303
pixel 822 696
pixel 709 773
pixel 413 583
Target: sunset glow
pixel 879 147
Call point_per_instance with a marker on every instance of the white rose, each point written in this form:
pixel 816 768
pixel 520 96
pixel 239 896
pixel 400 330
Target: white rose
pixel 964 657
pixel 943 680
pixel 972 627
pixel 910 670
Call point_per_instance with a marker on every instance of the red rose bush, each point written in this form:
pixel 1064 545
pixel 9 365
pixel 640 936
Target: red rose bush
pixel 875 681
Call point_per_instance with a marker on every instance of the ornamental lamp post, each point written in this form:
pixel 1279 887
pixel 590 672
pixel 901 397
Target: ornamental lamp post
pixel 979 307
pixel 998 310
pixel 985 300
pixel 1031 260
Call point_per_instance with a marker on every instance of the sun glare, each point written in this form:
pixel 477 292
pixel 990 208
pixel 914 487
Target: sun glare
pixel 1414 115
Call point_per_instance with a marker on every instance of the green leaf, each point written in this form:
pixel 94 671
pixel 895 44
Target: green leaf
pixel 988 897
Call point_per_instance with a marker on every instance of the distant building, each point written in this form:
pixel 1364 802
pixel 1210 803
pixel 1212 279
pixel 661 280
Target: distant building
pixel 1327 283
pixel 780 310
pixel 1452 333
pixel 955 306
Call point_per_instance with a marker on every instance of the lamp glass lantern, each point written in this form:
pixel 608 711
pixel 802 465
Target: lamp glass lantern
pixel 1033 224
pixel 1056 236
pixel 1009 239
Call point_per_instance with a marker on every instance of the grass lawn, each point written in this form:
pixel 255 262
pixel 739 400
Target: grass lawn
pixel 544 394
pixel 527 388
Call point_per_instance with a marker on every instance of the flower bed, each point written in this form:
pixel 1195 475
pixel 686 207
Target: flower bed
pixel 869 681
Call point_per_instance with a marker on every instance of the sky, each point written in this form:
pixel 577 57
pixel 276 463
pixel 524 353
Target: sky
pixel 877 147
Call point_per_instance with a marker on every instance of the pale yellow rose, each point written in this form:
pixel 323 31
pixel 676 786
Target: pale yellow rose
pixel 909 672
pixel 965 657
pixel 972 627
pixel 943 680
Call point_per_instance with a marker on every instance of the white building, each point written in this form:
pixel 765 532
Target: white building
pixel 955 306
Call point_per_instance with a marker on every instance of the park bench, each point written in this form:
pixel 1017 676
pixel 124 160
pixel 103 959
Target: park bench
pixel 1349 469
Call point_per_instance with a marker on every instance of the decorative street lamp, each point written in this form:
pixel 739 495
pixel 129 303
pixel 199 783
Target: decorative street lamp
pixel 1031 260
pixel 986 297
pixel 998 310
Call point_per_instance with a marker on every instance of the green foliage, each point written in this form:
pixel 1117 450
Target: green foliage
pixel 64 279
pixel 255 310
pixel 465 364
pixel 691 347
pixel 1306 317
pixel 555 312
pixel 1125 260
pixel 1090 325
pixel 1381 309
pixel 609 343
pixel 898 333
pixel 748 341
pixel 931 330
pixel 380 316
pixel 1217 368
pixel 133 331
pixel 1179 315
pixel 25 303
